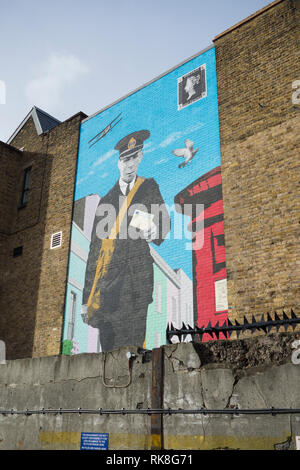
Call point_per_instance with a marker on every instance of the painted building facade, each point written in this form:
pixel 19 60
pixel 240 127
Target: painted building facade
pixel 77 335
pixel 173 302
pixel 173 291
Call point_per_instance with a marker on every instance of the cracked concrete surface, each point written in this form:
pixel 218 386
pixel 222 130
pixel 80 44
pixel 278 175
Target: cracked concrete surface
pixel 183 359
pixel 234 382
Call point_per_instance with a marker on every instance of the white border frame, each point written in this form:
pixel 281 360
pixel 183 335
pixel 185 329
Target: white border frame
pixel 180 79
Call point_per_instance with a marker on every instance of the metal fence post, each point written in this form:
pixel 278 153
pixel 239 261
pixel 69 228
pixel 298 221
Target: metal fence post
pixel 157 398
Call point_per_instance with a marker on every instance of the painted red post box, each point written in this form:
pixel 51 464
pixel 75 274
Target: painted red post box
pixel 209 267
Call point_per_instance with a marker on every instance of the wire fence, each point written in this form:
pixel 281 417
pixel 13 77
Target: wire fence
pixel 149 411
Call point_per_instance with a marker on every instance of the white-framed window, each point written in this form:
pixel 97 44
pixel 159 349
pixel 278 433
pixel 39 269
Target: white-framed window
pixel 174 310
pixel 189 315
pixel 99 349
pixel 72 313
pixel 25 187
pixel 158 297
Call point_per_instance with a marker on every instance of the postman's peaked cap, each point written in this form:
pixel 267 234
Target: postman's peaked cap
pixel 132 143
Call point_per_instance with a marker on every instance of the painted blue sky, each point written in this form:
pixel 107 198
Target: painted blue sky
pixel 155 107
pixel 66 56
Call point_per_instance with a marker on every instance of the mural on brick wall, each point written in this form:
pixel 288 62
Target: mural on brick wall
pixel 147 242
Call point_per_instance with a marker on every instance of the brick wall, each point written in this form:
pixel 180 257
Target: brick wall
pixel 259 128
pixel 20 228
pixel 9 161
pixel 33 284
pixel 63 146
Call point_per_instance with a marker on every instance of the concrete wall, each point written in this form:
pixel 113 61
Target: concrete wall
pixel 257 64
pixel 251 373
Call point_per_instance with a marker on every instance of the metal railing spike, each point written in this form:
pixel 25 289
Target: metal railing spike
pixel 227 328
pixel 269 317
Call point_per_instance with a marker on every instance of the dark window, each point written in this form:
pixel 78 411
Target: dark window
pixel 25 188
pixel 18 251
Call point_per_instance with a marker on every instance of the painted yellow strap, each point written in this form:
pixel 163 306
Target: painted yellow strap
pixel 118 222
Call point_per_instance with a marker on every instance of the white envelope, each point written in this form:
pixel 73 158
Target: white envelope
pixel 141 220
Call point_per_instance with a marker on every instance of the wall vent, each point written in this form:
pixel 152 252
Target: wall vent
pixel 56 240
pixel 17 251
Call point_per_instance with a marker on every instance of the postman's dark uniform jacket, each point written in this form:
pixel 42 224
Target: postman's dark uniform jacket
pixel 129 278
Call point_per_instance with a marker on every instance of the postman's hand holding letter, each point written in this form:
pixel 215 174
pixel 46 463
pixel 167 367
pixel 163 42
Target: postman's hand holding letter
pixel 151 233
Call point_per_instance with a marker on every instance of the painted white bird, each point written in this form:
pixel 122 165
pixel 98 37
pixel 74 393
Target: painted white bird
pixel 188 153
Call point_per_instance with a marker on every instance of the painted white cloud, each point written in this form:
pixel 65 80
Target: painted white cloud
pixel 195 127
pixel 82 180
pixel 171 138
pixel 160 162
pixel 56 73
pixel 174 136
pixel 104 157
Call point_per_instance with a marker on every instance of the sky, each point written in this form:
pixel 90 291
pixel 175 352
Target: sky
pixel 66 56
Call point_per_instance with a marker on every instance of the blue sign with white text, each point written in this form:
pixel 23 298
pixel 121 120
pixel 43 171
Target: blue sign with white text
pixel 94 441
